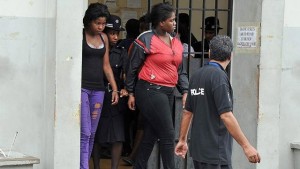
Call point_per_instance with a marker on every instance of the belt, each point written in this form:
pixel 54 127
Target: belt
pixel 156 85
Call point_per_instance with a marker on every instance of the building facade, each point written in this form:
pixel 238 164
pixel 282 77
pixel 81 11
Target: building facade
pixel 40 63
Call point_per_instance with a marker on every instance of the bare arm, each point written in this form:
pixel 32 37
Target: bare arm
pixel 181 147
pixel 108 72
pixel 186 120
pixel 236 132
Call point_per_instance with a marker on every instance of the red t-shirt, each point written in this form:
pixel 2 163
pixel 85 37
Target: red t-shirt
pixel 162 61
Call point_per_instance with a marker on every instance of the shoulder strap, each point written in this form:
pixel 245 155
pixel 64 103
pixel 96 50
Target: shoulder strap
pixel 102 39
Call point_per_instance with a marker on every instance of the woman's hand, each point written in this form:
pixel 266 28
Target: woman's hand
pixel 131 102
pixel 114 97
pixel 181 149
pixel 123 93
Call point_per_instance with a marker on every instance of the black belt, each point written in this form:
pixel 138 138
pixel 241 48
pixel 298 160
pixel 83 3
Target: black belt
pixel 155 85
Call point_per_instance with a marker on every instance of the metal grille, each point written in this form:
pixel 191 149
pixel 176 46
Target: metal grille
pixel 197 11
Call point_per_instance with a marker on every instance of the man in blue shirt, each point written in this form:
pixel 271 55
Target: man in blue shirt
pixel 210 104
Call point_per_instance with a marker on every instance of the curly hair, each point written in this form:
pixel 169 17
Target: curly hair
pixel 94 11
pixel 132 28
pixel 220 48
pixel 161 12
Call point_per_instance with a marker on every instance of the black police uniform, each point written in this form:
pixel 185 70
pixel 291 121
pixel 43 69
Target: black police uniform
pixel 111 124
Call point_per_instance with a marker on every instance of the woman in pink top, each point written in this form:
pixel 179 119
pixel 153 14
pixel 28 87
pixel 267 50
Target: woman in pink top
pixel 154 70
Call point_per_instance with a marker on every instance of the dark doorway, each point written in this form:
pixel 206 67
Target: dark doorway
pixel 196 11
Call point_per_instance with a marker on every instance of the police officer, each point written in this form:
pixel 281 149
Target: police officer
pixel 211 29
pixel 210 104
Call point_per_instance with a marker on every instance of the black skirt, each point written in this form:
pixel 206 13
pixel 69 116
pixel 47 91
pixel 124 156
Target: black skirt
pixel 111 124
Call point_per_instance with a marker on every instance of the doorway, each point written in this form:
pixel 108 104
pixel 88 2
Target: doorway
pixel 197 12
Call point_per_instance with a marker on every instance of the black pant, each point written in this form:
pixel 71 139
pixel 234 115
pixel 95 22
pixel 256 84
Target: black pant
pixel 155 104
pixel 199 165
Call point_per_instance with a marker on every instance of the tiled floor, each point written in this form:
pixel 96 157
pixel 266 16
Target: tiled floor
pixel 105 164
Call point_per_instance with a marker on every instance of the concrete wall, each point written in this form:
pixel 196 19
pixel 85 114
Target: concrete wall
pixel 68 83
pixel 27 81
pixel 40 70
pixel 270 84
pixel 266 82
pixel 279 117
pixel 245 79
pixel 40 66
pixel 290 82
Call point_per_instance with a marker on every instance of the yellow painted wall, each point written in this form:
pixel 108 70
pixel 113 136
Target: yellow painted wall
pixel 121 9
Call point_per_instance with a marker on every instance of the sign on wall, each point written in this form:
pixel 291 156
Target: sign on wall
pixel 248 37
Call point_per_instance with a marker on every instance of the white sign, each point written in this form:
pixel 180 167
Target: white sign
pixel 247 37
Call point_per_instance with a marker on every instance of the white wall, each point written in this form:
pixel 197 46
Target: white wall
pixel 40 70
pixel 270 84
pixel 266 84
pixel 68 82
pixel 290 82
pixel 40 66
pixel 24 37
pixel 245 79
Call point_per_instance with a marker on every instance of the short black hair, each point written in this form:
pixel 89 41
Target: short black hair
pixel 144 18
pixel 220 48
pixel 144 22
pixel 184 33
pixel 161 12
pixel 184 18
pixel 183 27
pixel 94 11
pixel 132 28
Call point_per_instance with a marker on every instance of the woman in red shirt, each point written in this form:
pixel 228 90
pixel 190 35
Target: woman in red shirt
pixel 154 70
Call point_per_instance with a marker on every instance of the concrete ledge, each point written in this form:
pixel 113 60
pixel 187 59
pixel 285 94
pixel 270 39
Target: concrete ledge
pixel 296 154
pixel 18 159
pixel 295 145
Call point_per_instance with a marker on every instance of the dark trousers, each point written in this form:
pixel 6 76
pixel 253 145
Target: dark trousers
pixel 155 104
pixel 199 165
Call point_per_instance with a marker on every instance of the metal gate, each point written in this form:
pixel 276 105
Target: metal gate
pixel 197 11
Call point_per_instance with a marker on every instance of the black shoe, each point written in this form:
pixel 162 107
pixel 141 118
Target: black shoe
pixel 128 161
